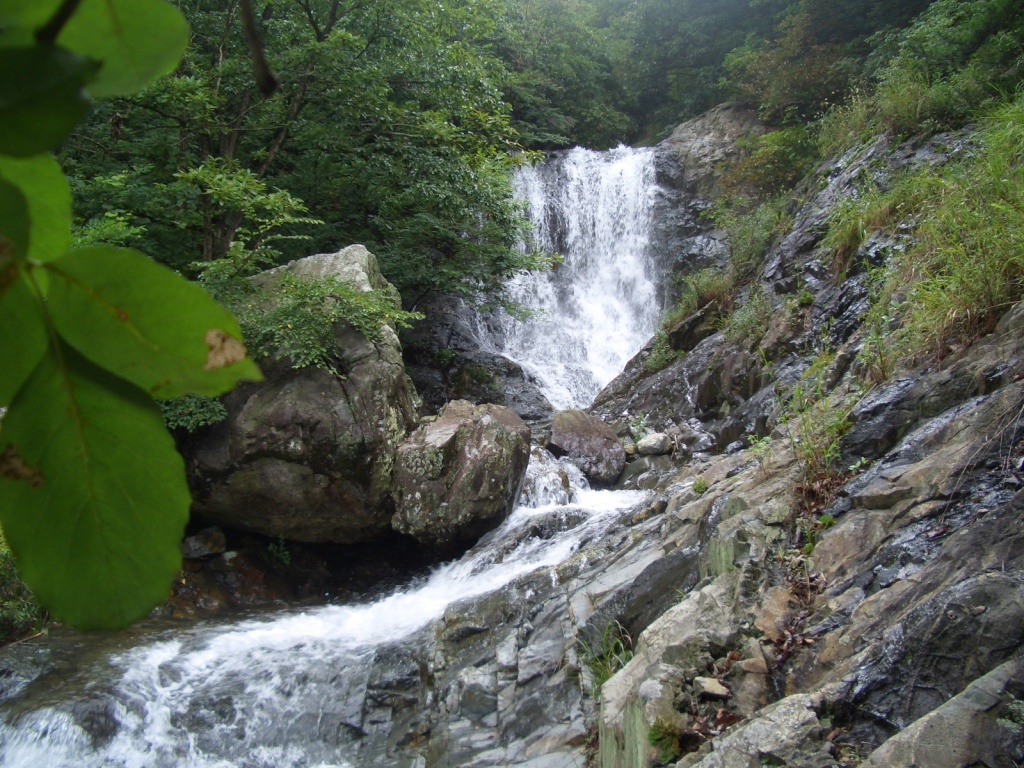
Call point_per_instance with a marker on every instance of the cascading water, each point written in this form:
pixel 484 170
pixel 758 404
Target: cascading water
pixel 339 685
pixel 290 691
pixel 589 316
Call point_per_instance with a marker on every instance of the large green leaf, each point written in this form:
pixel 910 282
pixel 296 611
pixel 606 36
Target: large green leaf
pixel 147 324
pixel 20 18
pixel 24 333
pixel 42 97
pixel 46 191
pixel 14 226
pixel 93 498
pixel 137 41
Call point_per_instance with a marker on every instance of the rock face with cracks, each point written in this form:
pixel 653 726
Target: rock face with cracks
pixel 458 476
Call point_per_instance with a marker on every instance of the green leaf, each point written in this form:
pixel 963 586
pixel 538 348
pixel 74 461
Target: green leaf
pixel 137 41
pixel 147 324
pixel 48 195
pixel 93 498
pixel 27 13
pixel 20 18
pixel 24 333
pixel 14 226
pixel 42 98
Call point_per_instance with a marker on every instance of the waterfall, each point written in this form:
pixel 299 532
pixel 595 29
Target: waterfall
pixel 589 316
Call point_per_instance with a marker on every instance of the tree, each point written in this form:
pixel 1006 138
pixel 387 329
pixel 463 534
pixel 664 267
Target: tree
pixel 389 125
pixel 93 498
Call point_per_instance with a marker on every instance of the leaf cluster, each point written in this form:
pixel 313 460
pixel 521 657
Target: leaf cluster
pixel 93 498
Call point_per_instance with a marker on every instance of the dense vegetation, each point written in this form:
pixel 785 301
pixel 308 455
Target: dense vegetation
pixel 398 123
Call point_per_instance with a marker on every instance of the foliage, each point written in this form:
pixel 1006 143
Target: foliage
pixel 665 738
pixel 192 412
pixel 562 83
pixel 963 266
pixel 298 324
pixel 661 355
pixel 955 60
pixel 761 449
pixel 700 485
pixel 389 123
pixel 773 163
pixel 749 322
pixel 279 550
pixel 606 655
pixel 750 227
pixel 20 612
pixel 93 498
pixel 638 428
pixel 700 289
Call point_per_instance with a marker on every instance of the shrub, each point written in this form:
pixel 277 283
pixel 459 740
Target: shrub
pixel 661 355
pixel 700 289
pixel 750 228
pixel 749 323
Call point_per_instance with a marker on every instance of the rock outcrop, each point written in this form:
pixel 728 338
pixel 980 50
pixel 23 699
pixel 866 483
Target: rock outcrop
pixel 458 476
pixel 589 443
pixel 308 454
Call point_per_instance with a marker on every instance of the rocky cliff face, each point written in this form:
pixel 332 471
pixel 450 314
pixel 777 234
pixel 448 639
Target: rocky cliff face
pixel 883 628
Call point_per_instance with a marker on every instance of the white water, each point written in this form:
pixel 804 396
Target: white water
pixel 274 692
pixel 595 311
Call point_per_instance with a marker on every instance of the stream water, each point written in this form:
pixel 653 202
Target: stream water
pixel 296 689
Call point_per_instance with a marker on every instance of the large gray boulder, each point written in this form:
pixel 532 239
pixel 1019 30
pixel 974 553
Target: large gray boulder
pixel 588 443
pixel 458 476
pixel 308 454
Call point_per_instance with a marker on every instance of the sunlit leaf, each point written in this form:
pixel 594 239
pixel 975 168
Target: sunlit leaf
pixel 146 323
pixel 24 334
pixel 137 41
pixel 46 191
pixel 93 498
pixel 42 97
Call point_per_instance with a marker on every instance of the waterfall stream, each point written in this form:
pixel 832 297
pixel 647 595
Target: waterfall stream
pixel 286 691
pixel 332 686
pixel 589 316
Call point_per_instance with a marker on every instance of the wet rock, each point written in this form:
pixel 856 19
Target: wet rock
pixel 209 541
pixel 980 726
pixel 690 331
pixel 445 362
pixel 458 476
pixel 589 443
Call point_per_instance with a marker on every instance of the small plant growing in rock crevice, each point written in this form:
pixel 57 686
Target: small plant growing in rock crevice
pixel 663 736
pixel 606 655
pixel 700 485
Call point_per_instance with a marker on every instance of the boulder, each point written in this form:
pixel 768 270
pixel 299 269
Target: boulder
pixel 656 444
pixel 458 476
pixel 308 454
pixel 589 443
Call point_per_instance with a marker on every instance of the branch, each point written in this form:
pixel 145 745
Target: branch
pixel 48 32
pixel 265 79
